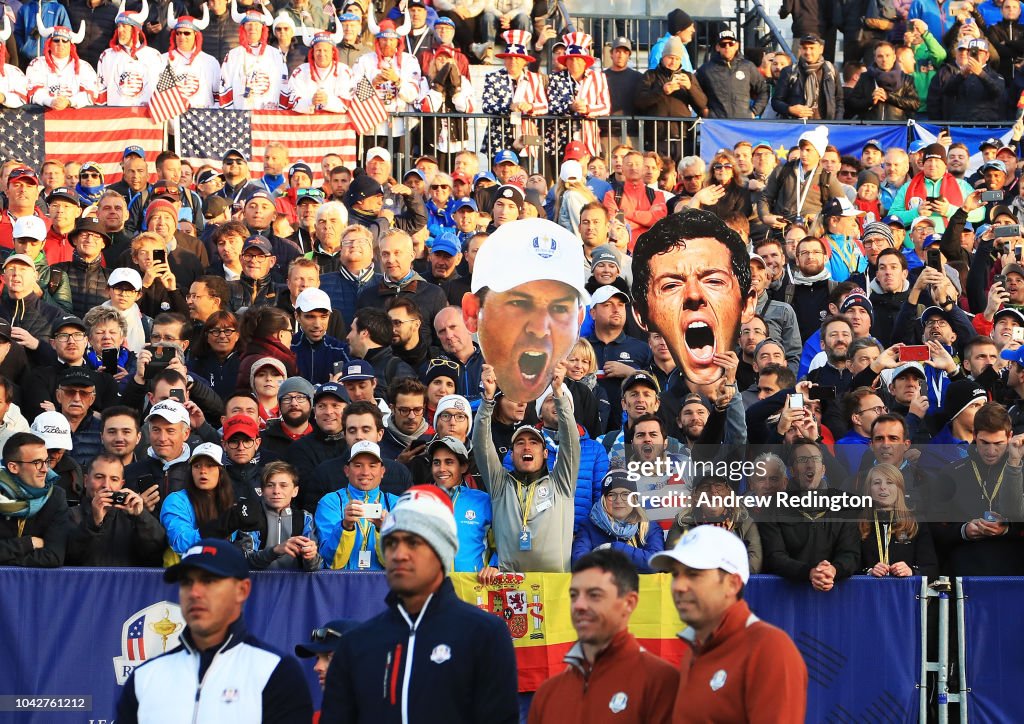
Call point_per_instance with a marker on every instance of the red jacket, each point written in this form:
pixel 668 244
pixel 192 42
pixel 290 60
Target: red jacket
pixel 57 247
pixel 7 228
pixel 625 685
pixel 748 671
pixel 640 212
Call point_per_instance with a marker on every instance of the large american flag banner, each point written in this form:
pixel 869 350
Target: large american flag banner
pixel 80 135
pixel 206 135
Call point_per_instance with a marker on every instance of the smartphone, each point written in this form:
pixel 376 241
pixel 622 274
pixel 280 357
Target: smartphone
pixel 372 510
pixel 1006 232
pixel 1017 253
pixel 110 360
pixel 1000 279
pixel 339 366
pixel 620 217
pixel 160 255
pixel 935 259
pixel 119 497
pixel 933 199
pixel 795 401
pixel 914 353
pixel 992 195
pixel 178 394
pixel 1017 334
pixel 145 483
pixel 162 356
pixel 824 392
pixel 993 517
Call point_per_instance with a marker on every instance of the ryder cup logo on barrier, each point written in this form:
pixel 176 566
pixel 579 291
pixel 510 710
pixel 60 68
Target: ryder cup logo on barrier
pixel 145 635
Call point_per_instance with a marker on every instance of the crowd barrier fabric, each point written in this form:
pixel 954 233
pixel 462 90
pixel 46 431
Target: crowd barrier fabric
pixel 78 632
pixel 783 135
pixel 994 641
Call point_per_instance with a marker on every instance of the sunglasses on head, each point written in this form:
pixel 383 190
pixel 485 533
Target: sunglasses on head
pixel 324 634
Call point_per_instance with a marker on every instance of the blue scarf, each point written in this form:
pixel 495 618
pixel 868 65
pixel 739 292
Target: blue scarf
pixel 89 194
pixel 18 500
pixel 600 518
pixel 96 363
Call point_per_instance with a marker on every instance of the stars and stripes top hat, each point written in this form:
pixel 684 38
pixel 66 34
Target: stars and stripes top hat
pixel 517 42
pixel 577 45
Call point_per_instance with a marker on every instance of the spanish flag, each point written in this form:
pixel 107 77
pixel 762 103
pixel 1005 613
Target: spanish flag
pixel 535 607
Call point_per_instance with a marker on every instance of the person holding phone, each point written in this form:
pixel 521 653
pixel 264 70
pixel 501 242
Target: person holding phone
pixel 933 192
pixel 160 290
pixel 350 519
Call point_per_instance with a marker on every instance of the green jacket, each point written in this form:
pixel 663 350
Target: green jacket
pixel 928 56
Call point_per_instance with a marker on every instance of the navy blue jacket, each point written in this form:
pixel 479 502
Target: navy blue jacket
pixel 343 292
pixel 316 360
pixel 463 667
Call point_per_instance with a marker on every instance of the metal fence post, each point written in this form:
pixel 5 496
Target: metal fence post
pixel 961 644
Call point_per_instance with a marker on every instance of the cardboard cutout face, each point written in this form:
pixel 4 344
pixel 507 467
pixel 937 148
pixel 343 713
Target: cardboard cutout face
pixel 691 284
pixel 527 303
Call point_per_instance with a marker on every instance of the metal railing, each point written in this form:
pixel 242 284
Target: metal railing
pixel 759 28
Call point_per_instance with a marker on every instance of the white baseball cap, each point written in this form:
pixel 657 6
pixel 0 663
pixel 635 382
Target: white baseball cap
pixel 707 547
pixel 21 259
pixel 571 170
pixel 313 298
pixel 364 447
pixel 170 410
pixel 603 294
pixel 542 250
pixel 208 450
pixel 54 428
pixel 125 275
pixel 31 226
pixel 378 152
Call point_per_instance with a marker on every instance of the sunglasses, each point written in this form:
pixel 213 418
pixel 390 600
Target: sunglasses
pixel 441 362
pixel 234 162
pixel 183 32
pixel 692 177
pixel 88 174
pixel 720 166
pixel 320 635
pixel 727 43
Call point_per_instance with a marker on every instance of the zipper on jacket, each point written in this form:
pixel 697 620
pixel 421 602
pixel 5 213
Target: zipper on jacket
pixel 199 687
pixel 407 675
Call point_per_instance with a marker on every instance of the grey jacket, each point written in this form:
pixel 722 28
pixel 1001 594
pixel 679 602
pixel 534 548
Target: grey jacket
pixel 550 520
pixel 782 326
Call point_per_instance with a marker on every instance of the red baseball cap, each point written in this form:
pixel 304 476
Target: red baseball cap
pixel 241 424
pixel 23 174
pixel 574 151
pixel 461 176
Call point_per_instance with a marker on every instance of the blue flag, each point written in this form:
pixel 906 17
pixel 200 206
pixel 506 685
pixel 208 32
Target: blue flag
pixel 783 135
pixel 970 137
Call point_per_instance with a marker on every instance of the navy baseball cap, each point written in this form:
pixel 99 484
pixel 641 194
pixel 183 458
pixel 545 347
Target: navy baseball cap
pixel 258 242
pixel 506 156
pixel 212 555
pixel 358 369
pixel 894 220
pixel 260 194
pixel 330 388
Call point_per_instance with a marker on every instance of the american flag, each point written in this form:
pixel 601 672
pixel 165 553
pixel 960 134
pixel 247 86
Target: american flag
pixel 206 134
pixel 80 135
pixel 136 639
pixel 366 111
pixel 167 100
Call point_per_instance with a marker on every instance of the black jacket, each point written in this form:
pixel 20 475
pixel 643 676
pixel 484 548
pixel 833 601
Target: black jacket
pixel 901 104
pixel 917 552
pixel 652 101
pixel 789 91
pixel 976 98
pixel 735 89
pixel 169 480
pixel 122 540
pixel 275 443
pixel 475 681
pixel 388 367
pixel 52 523
pixel 305 455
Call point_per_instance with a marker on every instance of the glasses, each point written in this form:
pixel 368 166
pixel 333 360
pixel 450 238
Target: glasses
pixel 692 177
pixel 124 289
pixel 88 174
pixel 39 465
pixel 234 162
pixel 400 322
pixel 189 297
pixel 720 166
pixel 324 634
pixel 727 44
pixel 442 362
pixel 253 257
pixel 68 336
pixel 805 459
pixel 183 32
pixel 410 411
pixel 60 41
pixel 74 392
pixel 354 242
pixel 240 442
pixel 449 416
pixel 624 497
pixel 293 399
pixel 936 323
pixel 440 186
pixel 847 172
pixel 163 338
pixel 221 331
pixel 808 252
pixel 878 409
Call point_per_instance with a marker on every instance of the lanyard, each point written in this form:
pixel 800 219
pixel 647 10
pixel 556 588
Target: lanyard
pixel 883 550
pixel 984 489
pixel 802 196
pixel 365 526
pixel 816 516
pixel 529 501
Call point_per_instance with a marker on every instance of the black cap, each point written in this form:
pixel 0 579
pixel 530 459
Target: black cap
pixel 641 378
pixel 70 320
pixel 89 223
pixel 325 639
pixel 215 206
pixel 616 479
pixel 330 388
pixel 212 555
pixel 80 376
pixel 362 187
pixel 959 395
pixel 678 20
pixel 810 38
pixel 934 150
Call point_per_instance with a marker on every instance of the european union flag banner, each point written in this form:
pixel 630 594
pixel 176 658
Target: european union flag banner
pixel 783 135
